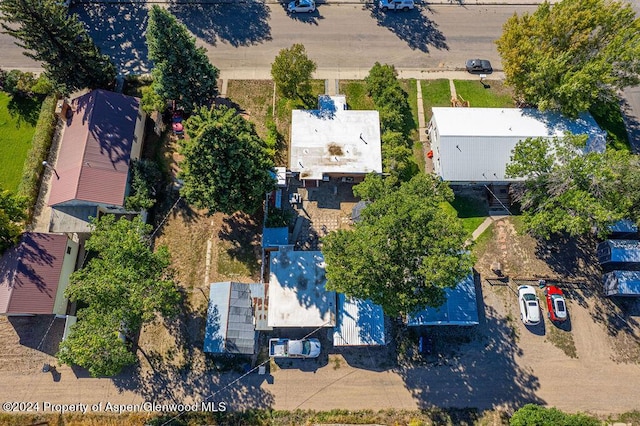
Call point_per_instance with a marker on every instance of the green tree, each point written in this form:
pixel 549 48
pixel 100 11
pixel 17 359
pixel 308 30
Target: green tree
pixel 143 178
pixel 535 415
pixel 404 251
pixel 182 71
pixel 573 55
pixel 292 71
pixel 12 216
pixel 397 156
pixel 570 191
pixel 94 343
pixel 124 285
pixel 390 99
pixel 226 166
pixel 60 41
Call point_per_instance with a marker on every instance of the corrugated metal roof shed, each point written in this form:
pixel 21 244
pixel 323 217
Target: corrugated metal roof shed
pixel 333 139
pixel 624 226
pixel 358 323
pixel 461 307
pixel 622 283
pixel 297 295
pixel 475 144
pixel 93 163
pixel 274 237
pixel 610 251
pixel 30 274
pixel 230 327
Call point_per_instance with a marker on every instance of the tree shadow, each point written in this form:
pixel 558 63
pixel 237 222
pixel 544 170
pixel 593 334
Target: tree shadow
pixel 220 22
pixel 25 109
pixel 631 120
pixel 477 368
pixel 119 31
pixel 40 332
pixel 243 234
pixel 414 27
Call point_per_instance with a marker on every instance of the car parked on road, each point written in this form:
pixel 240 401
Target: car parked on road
pixel 403 5
pixel 478 65
pixel 529 306
pixel 556 304
pixel 301 6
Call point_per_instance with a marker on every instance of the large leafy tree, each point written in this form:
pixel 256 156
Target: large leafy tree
pixel 12 216
pixel 59 40
pixel 404 251
pixel 226 166
pixel 124 285
pixel 572 55
pixel 182 72
pixel 568 190
pixel 292 71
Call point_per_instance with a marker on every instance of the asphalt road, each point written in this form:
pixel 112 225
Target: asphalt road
pixel 337 36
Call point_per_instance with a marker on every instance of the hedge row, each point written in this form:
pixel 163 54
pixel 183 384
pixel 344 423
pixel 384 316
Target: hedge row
pixel 32 169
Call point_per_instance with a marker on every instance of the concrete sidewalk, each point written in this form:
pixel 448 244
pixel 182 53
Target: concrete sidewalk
pixel 457 3
pixel 358 74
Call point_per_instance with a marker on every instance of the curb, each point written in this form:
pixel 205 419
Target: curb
pixel 459 3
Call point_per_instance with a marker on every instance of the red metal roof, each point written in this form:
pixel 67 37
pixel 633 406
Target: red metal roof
pixel 93 162
pixel 30 272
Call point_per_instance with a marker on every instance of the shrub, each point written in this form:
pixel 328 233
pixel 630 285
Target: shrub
pixel 32 170
pixel 144 177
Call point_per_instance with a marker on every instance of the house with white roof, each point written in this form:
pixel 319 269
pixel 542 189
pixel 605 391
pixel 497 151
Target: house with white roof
pixel 333 141
pixel 474 145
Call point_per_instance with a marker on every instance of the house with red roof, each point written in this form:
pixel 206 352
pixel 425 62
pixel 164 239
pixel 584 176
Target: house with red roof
pixel 103 132
pixel 35 273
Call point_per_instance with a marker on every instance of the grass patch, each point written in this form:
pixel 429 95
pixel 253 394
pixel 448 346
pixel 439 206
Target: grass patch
pixel 236 261
pixel 356 93
pixel 481 243
pixel 497 95
pixel 255 99
pixel 411 88
pixel 133 84
pixel 609 118
pixel 418 155
pixel 17 128
pixel 435 93
pixel 471 211
pixel 562 340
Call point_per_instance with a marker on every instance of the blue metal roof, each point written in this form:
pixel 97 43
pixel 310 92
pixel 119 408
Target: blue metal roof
pixel 624 226
pixel 274 237
pixel 622 283
pixel 619 251
pixel 359 323
pixel 230 326
pixel 460 308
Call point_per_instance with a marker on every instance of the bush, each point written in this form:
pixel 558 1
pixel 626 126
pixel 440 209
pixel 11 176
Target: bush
pixel 24 84
pixel 278 218
pixel 145 175
pixel 535 415
pixel 32 169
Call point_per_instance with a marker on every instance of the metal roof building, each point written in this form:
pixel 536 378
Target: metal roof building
pixel 297 295
pixel 35 273
pixel 474 145
pixel 461 307
pixel 275 237
pixel 334 140
pixel 230 322
pixel 359 323
pixel 622 283
pixel 619 251
pixel 624 227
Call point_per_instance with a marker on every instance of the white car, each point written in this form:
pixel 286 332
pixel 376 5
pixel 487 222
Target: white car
pixel 287 348
pixel 529 305
pixel 403 5
pixel 301 6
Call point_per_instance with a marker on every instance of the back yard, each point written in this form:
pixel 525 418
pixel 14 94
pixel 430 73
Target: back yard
pixel 18 118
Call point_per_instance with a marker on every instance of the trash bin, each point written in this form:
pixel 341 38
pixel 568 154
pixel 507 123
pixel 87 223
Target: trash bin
pixel 425 345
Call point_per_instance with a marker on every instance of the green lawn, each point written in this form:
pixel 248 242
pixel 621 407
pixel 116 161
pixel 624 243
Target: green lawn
pixel 435 93
pixel 471 211
pixel 409 86
pixel 496 95
pixel 609 118
pixel 17 126
pixel 356 93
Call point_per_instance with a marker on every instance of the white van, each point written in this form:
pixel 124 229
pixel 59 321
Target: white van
pixel 396 5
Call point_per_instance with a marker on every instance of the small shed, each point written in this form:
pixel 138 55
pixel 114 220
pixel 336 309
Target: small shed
pixel 230 321
pixel 358 323
pixel 622 283
pixel 623 228
pixel 619 251
pixel 272 238
pixel 460 308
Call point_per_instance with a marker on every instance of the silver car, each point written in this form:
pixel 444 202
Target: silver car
pixel 301 6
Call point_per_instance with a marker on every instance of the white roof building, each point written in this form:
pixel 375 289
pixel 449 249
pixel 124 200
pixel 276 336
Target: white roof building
pixel 474 145
pixel 334 140
pixel 297 295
